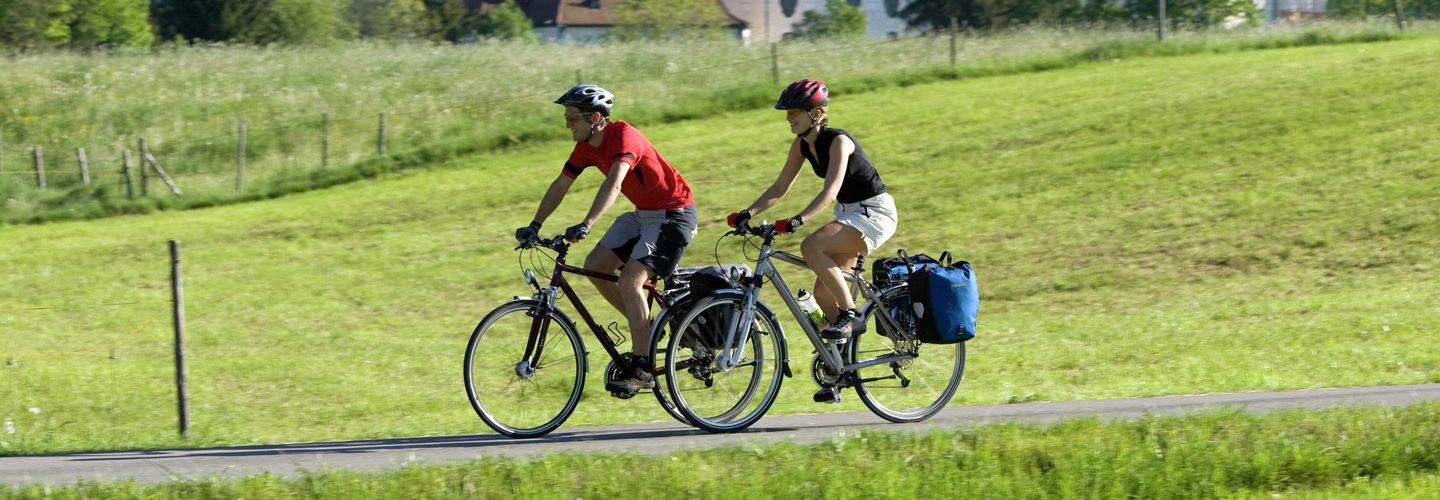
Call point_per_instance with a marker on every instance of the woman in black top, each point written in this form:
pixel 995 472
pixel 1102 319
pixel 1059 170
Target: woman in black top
pixel 865 215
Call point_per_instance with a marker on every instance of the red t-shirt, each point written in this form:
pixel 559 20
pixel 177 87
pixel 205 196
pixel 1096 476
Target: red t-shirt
pixel 651 183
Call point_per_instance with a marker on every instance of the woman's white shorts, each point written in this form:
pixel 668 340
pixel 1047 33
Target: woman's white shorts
pixel 875 218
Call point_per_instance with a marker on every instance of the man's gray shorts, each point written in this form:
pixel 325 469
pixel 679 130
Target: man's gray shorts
pixel 654 238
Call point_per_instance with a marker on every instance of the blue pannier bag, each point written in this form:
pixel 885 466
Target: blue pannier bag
pixel 945 300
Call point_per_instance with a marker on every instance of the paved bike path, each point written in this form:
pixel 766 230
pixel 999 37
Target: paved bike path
pixel 381 454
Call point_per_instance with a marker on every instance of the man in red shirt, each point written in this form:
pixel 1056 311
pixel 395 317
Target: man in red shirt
pixel 648 241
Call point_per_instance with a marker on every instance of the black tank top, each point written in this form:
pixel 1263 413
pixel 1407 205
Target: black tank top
pixel 861 181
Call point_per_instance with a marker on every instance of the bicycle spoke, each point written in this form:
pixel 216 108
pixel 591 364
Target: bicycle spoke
pixel 516 405
pixel 910 387
pixel 729 400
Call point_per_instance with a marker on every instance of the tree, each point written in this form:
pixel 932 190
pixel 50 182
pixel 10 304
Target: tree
pixel 839 20
pixel 507 22
pixel 192 20
pixel 389 19
pixel 1093 12
pixel 1197 13
pixel 35 24
pixel 294 22
pixel 971 14
pixel 1364 9
pixel 97 23
pixel 649 19
pixel 450 20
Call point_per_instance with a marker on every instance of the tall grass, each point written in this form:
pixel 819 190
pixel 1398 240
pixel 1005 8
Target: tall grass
pixel 444 102
pixel 1216 455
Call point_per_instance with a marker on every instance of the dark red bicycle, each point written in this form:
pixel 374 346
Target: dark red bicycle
pixel 525 365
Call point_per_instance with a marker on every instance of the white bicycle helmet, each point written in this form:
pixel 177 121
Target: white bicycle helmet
pixel 588 97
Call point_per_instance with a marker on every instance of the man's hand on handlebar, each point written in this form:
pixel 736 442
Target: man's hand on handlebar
pixel 528 235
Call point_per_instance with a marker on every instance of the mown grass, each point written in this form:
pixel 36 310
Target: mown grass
pixel 444 103
pixel 1248 221
pixel 1309 454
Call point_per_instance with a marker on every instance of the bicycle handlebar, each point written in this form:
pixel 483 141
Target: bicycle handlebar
pixel 764 229
pixel 556 243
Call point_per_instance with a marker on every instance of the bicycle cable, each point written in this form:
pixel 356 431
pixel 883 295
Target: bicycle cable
pixel 543 265
pixel 717 246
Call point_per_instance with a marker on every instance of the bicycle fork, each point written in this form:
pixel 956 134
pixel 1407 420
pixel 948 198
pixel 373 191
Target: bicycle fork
pixel 539 328
pixel 737 336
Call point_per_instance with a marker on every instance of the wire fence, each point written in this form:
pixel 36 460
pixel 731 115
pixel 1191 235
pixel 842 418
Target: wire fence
pixel 474 96
pixel 51 336
pixel 220 156
pixel 109 349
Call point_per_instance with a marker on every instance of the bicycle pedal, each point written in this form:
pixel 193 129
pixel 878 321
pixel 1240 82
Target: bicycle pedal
pixel 624 394
pixel 830 395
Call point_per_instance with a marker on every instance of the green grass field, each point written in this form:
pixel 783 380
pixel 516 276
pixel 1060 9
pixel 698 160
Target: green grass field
pixel 443 103
pixel 1335 453
pixel 1213 223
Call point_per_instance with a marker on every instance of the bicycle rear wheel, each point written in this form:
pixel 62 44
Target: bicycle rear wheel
pixel 712 396
pixel 512 397
pixel 659 352
pixel 906 390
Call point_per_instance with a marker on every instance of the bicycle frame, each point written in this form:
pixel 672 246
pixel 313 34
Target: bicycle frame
pixel 829 353
pixel 540 325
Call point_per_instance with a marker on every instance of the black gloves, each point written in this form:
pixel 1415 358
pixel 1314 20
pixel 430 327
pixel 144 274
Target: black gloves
pixel 528 234
pixel 577 232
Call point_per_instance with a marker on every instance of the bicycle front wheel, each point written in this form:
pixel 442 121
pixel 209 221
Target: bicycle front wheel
pixel 713 388
pixel 515 397
pixel 922 377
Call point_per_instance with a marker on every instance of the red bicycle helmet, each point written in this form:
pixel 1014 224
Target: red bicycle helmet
pixel 804 94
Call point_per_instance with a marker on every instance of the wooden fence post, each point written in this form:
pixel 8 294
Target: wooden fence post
pixel 84 166
pixel 1399 14
pixel 324 140
pixel 382 134
pixel 39 166
pixel 1160 26
pixel 954 35
pixel 177 300
pixel 240 160
pixel 775 63
pixel 144 173
pixel 129 181
pixel 155 164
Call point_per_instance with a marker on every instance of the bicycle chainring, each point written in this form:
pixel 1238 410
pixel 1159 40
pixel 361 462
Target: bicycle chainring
pixel 612 372
pixel 821 374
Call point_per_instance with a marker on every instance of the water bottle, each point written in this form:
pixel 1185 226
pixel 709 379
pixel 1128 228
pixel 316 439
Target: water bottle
pixel 810 307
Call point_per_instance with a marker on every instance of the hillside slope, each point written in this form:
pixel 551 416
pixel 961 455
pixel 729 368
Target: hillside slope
pixel 1260 220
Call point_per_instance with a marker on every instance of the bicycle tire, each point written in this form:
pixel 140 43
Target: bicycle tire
pixel 492 356
pixel 890 396
pixel 705 401
pixel 659 334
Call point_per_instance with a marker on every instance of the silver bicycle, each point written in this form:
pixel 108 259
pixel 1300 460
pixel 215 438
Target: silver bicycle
pixel 726 357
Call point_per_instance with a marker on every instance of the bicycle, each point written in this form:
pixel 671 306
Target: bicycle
pixel 522 377
pixel 724 378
